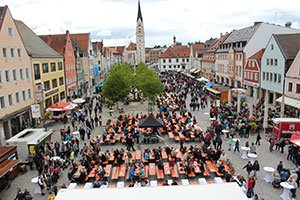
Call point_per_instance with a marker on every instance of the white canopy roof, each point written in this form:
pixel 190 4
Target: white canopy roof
pixel 224 191
pixel 203 79
pixel 290 102
pixel 30 136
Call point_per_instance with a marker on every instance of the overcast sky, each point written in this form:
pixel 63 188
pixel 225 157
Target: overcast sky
pixel 114 21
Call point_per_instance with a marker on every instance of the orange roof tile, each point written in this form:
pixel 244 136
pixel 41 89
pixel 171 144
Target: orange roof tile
pixel 82 39
pixel 257 56
pixel 177 51
pixel 131 47
pixel 57 42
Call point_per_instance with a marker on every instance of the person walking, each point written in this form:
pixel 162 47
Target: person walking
pixel 258 138
pixel 250 190
pixel 230 142
pixel 248 167
pixel 255 168
pixel 237 146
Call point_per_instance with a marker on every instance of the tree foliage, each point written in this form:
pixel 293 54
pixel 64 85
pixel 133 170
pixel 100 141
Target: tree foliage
pixel 117 83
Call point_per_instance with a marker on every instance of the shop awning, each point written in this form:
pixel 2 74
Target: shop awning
pixel 203 79
pixel 213 90
pixel 290 102
pixel 6 165
pixel 193 70
pixel 295 139
pixel 61 106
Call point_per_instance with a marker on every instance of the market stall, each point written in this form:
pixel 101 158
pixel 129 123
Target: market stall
pixel 60 109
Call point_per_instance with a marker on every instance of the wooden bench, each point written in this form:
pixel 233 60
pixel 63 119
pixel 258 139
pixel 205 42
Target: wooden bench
pixel 164 155
pixel 127 173
pixel 167 169
pixel 107 171
pixel 152 169
pixel 212 167
pixel 122 170
pixel 206 172
pixel 160 173
pixel 174 172
pixel 181 170
pixel 146 171
pixel 115 173
pixel 191 174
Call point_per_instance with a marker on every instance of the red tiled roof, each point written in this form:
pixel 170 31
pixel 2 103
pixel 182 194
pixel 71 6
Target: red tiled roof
pixel 131 47
pixel 57 42
pixel 82 39
pixel 257 56
pixel 2 14
pixel 98 46
pixel 116 50
pixel 178 51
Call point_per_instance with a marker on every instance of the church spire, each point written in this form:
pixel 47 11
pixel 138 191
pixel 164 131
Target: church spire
pixel 139 13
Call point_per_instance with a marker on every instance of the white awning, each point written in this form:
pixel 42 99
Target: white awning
pixel 193 70
pixel 290 102
pixel 213 90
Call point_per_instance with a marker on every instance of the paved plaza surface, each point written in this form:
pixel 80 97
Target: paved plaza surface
pixel 265 158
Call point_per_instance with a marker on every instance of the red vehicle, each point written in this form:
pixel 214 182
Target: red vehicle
pixel 286 127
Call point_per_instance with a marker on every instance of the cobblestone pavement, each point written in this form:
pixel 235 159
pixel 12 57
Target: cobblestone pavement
pixel 265 158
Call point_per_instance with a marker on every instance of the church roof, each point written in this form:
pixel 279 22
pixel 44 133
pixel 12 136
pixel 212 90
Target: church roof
pixel 139 13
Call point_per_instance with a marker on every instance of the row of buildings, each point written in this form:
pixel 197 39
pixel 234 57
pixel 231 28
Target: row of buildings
pixel 41 70
pixel 262 58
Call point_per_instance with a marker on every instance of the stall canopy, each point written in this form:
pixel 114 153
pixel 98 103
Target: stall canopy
pixel 62 106
pixel 209 85
pixel 150 122
pixel 78 101
pixel 295 139
pixel 290 102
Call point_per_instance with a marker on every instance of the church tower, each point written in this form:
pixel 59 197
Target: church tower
pixel 140 37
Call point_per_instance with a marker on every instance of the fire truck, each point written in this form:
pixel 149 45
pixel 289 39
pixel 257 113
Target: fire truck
pixel 286 127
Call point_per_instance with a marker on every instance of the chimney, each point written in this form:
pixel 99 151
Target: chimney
pixel 256 23
pixel 288 24
pixel 221 35
pixel 67 32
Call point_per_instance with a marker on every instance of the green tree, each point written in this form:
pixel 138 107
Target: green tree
pixel 118 82
pixel 148 82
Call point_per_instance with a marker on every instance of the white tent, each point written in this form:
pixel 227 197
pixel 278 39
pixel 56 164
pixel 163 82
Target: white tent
pixel 225 191
pixel 203 79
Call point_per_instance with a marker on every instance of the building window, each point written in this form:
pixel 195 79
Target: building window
pixel 61 81
pixel 164 66
pixel 275 77
pixel 275 62
pixel 264 76
pixel 19 53
pixel 187 60
pixel 7 76
pixel 164 60
pixel 60 66
pixel 55 98
pixel 24 95
pixel 0 77
pixel 279 78
pixel 177 60
pixel 53 67
pixel 10 31
pixel 267 76
pixel 54 83
pixel 29 93
pixel 271 76
pixel 21 74
pixel 4 53
pixel 47 85
pixel 10 100
pixel 62 95
pixel 268 61
pixel 17 97
pixel 271 62
pixel 48 102
pixel 272 46
pixel 2 102
pixel 14 74
pixel 170 60
pixel 12 52
pixel 45 67
pixel 183 60
pixel 36 69
pixel 298 89
pixel 290 88
pixel 27 73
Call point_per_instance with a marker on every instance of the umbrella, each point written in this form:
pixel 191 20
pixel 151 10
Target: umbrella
pixel 295 139
pixel 150 122
pixel 78 101
pixel 61 106
pixel 209 85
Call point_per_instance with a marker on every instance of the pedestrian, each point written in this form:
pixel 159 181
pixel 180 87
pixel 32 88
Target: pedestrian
pixel 292 181
pixel 252 148
pixel 20 195
pixel 181 144
pixel 248 167
pixel 230 142
pixel 250 190
pixel 272 143
pixel 237 146
pixel 255 168
pixel 41 182
pixel 258 138
pixel 279 167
